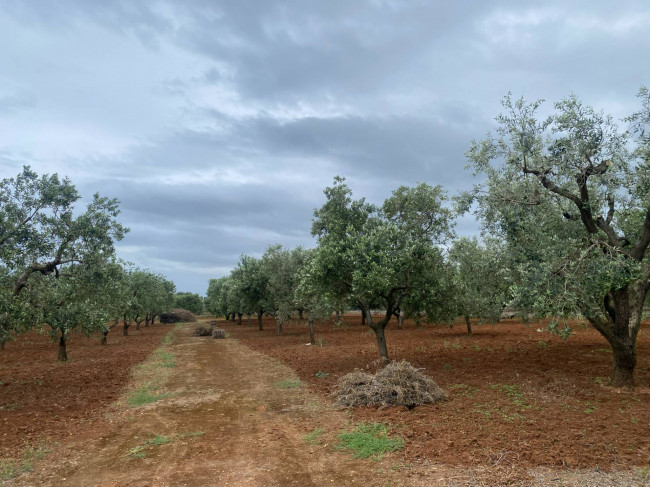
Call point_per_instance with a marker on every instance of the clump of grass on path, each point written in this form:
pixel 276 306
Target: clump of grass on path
pixel 369 440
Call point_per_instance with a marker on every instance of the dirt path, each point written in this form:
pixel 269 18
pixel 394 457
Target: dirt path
pixel 229 420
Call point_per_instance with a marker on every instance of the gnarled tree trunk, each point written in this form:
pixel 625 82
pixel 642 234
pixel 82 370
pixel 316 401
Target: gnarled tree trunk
pixel 259 320
pixel 469 325
pixel 624 308
pixel 239 317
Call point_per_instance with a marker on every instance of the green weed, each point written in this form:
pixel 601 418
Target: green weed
pixel 321 375
pixel 515 394
pixel 464 390
pixel 143 395
pixel 10 468
pixel 314 436
pixel 137 452
pixel 590 408
pixel 369 440
pixel 158 440
pixel 288 384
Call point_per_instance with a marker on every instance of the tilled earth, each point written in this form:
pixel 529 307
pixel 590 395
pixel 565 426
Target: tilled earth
pixel 525 408
pixel 517 396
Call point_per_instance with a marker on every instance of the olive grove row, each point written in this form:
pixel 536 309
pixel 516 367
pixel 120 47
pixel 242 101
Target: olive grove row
pixel 58 268
pixel 564 203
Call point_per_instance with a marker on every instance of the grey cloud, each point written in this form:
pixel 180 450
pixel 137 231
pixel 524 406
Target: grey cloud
pixel 10 104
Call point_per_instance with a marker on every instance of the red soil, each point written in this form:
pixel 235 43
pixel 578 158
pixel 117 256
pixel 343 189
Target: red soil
pixel 516 395
pixel 43 401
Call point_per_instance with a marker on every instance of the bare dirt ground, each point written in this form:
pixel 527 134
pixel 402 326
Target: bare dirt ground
pixel 525 409
pixel 519 399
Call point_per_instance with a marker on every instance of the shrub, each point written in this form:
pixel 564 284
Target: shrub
pixel 397 384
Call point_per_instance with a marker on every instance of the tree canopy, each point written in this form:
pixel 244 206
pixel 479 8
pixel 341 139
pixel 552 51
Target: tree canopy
pixel 570 194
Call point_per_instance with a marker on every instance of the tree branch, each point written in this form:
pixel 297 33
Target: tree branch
pixel 640 246
pixel 551 186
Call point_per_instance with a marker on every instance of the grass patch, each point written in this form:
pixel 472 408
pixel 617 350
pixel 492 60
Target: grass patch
pixel 515 394
pixel 137 452
pixel 159 440
pixel 463 390
pixel 369 440
pixel 10 468
pixel 143 395
pixel 314 437
pixel 288 384
pixel 165 359
pixel 142 451
pixel 152 374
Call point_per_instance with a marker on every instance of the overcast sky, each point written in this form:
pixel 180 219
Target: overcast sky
pixel 218 124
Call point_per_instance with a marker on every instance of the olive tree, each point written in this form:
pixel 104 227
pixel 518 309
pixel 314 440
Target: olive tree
pixel 189 301
pixel 282 268
pixel 309 295
pixel 72 300
pixel 570 193
pixel 381 255
pixel 40 232
pixel 252 281
pixel 480 279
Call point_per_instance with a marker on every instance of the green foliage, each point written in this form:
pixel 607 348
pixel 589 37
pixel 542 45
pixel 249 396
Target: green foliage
pixel 570 195
pixel 369 440
pixel 382 257
pixel 44 238
pixel 481 278
pixel 189 301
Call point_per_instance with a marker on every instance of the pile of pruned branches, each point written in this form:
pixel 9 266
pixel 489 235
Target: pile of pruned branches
pixel 178 315
pixel 202 331
pixel 397 384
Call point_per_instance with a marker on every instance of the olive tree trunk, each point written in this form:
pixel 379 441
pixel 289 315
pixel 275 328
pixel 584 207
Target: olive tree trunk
pixel 379 328
pixel 469 325
pixel 239 317
pixel 125 327
pixel 63 353
pixel 259 320
pixel 279 322
pixel 624 308
pixel 312 340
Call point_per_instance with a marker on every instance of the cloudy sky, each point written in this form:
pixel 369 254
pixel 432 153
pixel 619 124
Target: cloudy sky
pixel 217 124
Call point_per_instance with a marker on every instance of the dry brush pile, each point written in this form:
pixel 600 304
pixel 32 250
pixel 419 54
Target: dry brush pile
pixel 397 384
